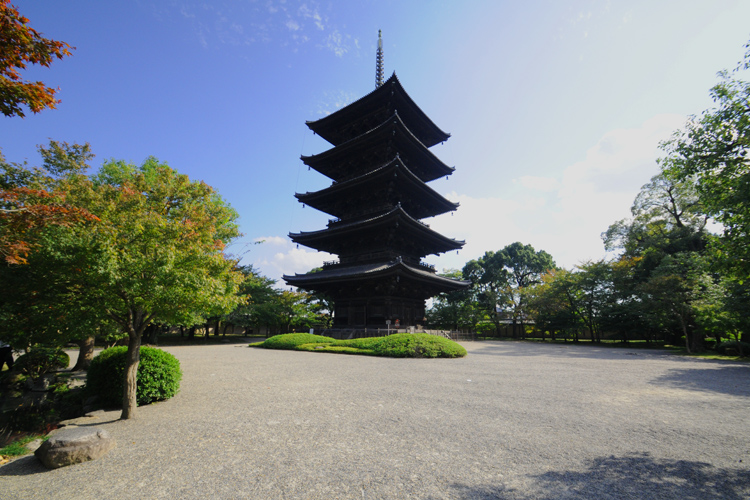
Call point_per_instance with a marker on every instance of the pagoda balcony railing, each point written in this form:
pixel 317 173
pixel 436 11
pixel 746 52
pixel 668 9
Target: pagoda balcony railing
pixel 363 214
pixel 331 263
pixel 369 257
pixel 429 267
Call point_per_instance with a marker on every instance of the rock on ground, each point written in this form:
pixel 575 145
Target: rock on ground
pixel 74 445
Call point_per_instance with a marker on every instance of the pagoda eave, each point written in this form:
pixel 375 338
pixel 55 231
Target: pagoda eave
pixel 388 140
pixel 391 96
pixel 420 200
pixel 405 276
pixel 334 238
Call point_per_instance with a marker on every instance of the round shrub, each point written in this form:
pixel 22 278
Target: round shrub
pixel 41 360
pixel 158 376
pixel 418 345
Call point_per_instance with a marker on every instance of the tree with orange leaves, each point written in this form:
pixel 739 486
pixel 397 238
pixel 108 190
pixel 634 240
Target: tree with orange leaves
pixel 21 45
pixel 31 199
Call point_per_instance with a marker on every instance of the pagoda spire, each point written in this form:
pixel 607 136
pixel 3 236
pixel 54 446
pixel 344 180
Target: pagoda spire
pixel 379 62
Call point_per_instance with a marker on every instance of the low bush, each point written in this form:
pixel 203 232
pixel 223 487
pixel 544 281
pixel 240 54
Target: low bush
pixel 734 348
pixel 418 345
pixel 41 360
pixel 158 376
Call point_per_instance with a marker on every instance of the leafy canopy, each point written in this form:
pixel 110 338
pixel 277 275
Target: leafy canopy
pixel 22 45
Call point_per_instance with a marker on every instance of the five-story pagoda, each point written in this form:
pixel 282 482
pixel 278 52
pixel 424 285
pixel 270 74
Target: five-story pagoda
pixel 380 165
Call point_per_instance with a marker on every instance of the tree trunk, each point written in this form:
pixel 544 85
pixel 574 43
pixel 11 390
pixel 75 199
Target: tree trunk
pixel 85 353
pixel 129 400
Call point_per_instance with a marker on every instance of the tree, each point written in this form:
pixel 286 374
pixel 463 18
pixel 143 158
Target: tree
pixel 553 303
pixel 713 150
pixel 157 252
pixel 668 217
pixel 22 45
pixel 454 310
pixel 682 286
pixel 499 279
pixel 31 199
pixel 35 237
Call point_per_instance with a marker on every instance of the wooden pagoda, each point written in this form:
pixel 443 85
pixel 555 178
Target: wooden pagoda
pixel 380 165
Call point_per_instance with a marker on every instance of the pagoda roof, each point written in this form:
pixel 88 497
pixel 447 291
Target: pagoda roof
pixel 338 237
pixel 391 97
pixel 392 137
pixel 417 198
pixel 336 276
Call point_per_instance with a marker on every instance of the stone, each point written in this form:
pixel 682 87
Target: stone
pixel 33 445
pixel 74 445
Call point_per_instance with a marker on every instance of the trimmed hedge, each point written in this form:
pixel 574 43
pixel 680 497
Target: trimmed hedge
pixel 293 340
pixel 418 345
pixel 401 345
pixel 41 360
pixel 158 376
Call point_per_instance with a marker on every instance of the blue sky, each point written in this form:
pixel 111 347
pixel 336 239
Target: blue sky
pixel 555 107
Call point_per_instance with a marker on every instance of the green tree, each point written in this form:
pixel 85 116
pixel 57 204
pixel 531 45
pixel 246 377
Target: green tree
pixel 679 289
pixel 31 198
pixel 157 252
pixel 35 240
pixel 499 278
pixel 713 150
pixel 454 310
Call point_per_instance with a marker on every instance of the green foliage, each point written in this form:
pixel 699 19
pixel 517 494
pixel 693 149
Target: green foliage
pixel 18 448
pixel 158 376
pixel 277 310
pixel 41 360
pixel 293 340
pixel 499 279
pixel 402 345
pixel 418 345
pixel 736 347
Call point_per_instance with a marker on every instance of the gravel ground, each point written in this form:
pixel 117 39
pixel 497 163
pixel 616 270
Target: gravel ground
pixel 512 420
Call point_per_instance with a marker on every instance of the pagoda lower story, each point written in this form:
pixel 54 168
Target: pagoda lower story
pixel 377 294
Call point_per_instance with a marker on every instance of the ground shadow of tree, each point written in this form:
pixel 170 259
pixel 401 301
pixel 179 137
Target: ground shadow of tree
pixel 632 476
pixel 729 379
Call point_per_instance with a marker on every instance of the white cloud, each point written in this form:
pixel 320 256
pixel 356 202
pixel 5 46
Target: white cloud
pixel 311 13
pixel 564 216
pixel 292 258
pixel 538 183
pixel 273 240
pixel 292 25
pixel 335 43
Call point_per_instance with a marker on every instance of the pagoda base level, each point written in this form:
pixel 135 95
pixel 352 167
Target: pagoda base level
pixel 378 313
pixel 363 332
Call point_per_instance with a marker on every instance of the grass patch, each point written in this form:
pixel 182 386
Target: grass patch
pixel 18 448
pixel 401 345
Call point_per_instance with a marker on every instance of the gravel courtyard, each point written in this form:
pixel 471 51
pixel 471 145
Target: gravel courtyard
pixel 512 420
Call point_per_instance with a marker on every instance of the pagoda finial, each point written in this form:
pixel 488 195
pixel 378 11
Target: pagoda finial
pixel 379 62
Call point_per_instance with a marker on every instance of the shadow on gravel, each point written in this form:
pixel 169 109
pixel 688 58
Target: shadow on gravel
pixel 631 476
pixel 729 379
pixel 23 466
